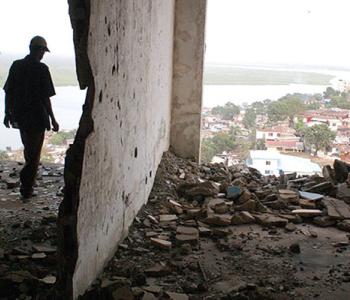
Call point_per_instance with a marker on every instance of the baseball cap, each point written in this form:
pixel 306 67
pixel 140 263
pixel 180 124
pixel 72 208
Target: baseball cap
pixel 40 42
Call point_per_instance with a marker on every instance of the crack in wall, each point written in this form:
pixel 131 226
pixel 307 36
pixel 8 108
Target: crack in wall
pixel 79 11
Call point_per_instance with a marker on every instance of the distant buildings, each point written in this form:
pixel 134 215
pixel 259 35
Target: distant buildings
pixel 285 145
pixel 334 118
pixel 272 163
pixel 276 133
pixel 281 138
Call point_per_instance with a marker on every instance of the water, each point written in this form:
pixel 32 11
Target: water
pixel 220 94
pixel 67 107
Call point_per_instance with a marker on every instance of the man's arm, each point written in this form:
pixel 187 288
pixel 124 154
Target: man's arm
pixel 8 110
pixel 55 126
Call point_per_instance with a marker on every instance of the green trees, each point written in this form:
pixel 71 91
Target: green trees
pixel 285 108
pixel 60 138
pixel 226 112
pixel 340 102
pixel 318 136
pixel 3 155
pixel 219 143
pixel 249 118
pixel 330 92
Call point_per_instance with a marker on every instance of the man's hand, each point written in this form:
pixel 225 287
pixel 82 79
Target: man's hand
pixel 7 121
pixel 55 126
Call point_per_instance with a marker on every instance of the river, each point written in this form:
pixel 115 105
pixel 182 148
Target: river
pixel 67 104
pixel 238 94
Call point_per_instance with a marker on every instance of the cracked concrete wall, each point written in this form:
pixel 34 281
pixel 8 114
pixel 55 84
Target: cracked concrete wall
pixel 126 51
pixel 130 49
pixel 188 77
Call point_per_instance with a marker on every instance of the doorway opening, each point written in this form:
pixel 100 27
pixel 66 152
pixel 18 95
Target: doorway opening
pixel 270 75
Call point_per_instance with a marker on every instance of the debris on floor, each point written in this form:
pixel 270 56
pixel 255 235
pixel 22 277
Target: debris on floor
pixel 28 233
pixel 212 232
pixel 207 232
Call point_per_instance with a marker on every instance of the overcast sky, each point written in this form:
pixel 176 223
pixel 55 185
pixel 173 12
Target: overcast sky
pixel 248 31
pixel 279 31
pixel 20 20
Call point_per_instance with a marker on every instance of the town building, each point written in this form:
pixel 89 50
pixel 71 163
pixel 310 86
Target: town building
pixel 333 118
pixel 285 145
pixel 269 162
pixel 275 133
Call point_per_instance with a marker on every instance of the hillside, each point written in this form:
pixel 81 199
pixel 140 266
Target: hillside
pixel 233 75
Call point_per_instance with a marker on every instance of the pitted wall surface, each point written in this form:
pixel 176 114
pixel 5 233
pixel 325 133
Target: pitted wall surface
pixel 130 49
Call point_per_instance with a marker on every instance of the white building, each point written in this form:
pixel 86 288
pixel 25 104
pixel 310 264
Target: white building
pixel 275 133
pixel 269 162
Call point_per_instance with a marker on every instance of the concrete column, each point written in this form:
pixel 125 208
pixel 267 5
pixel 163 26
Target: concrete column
pixel 189 47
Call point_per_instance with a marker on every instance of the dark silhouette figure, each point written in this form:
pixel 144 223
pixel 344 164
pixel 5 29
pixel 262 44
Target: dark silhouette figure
pixel 28 89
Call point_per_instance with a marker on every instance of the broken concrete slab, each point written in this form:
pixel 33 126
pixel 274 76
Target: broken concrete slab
pixel 187 235
pixel 341 170
pixel 219 220
pixel 343 192
pixel 290 227
pixel 160 243
pixel 44 248
pixel 242 217
pixel 158 271
pixel 324 221
pixel 310 196
pixel 167 218
pixel 206 189
pixel 336 209
pixel 344 225
pixel 307 212
pixel 270 220
pixel 250 206
pixel 322 188
pixel 306 203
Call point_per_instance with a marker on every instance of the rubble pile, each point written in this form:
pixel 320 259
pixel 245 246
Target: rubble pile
pixel 28 233
pixel 207 233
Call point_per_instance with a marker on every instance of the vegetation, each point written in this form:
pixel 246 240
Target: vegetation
pixel 3 155
pixel 285 108
pixel 61 137
pixel 219 143
pixel 226 112
pixel 318 136
pixel 233 75
pixel 249 118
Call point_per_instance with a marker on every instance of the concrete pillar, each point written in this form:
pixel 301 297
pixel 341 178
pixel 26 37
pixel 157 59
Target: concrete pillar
pixel 189 47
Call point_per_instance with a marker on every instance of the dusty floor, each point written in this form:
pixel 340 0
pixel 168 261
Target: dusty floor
pixel 232 262
pixel 28 234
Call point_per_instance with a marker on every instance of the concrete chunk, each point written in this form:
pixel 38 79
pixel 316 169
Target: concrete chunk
pixel 220 220
pixel 307 212
pixel 163 244
pixel 167 218
pixel 271 220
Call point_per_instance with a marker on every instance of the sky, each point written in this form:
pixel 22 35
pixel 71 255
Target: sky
pixel 279 31
pixel 238 31
pixel 20 20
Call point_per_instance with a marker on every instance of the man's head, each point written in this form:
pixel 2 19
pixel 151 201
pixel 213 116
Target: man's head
pixel 38 47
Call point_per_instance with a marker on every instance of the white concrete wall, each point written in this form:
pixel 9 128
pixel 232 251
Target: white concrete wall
pixel 131 54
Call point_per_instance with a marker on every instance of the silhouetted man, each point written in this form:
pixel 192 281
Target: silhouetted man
pixel 27 107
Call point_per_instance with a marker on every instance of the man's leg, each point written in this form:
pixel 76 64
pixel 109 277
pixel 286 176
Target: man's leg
pixel 32 142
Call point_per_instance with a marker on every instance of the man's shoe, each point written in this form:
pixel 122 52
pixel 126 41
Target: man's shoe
pixel 25 198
